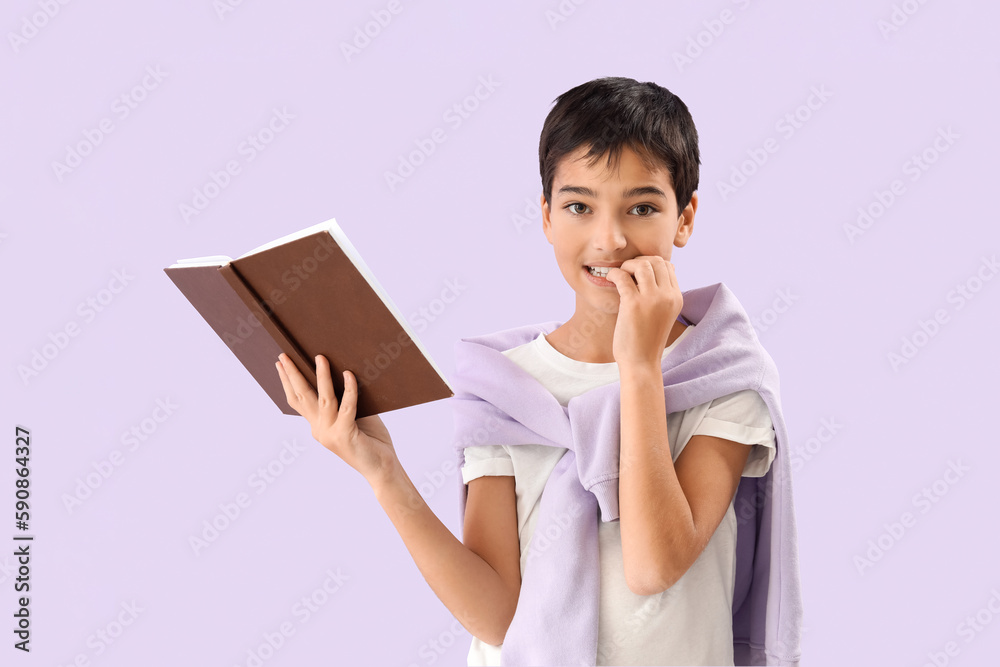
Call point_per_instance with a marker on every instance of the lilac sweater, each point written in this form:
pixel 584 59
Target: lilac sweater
pixel 496 402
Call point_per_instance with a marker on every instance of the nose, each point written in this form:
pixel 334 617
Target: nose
pixel 609 234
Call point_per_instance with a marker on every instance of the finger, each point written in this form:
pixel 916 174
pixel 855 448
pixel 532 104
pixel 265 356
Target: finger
pixel 641 272
pixel 324 382
pixel 674 286
pixel 286 384
pixel 631 266
pixel 349 405
pixel 623 281
pixel 673 275
pixel 302 390
pixel 661 270
pixel 645 274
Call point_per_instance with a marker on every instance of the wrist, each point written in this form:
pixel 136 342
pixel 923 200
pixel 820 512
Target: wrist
pixel 388 476
pixel 641 371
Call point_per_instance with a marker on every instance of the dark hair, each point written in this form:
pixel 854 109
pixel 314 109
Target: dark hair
pixel 614 112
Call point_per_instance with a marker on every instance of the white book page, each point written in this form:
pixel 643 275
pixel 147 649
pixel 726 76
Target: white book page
pixel 321 227
pixel 332 228
pixel 345 244
pixel 210 260
pixel 222 260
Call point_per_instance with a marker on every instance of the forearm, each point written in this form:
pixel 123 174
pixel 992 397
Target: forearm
pixel 657 525
pixel 467 585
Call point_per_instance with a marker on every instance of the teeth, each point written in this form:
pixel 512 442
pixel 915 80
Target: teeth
pixel 601 271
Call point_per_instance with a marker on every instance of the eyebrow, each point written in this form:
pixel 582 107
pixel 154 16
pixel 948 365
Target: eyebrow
pixel 627 194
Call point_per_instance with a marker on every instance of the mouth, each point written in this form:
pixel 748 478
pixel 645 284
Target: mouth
pixel 600 271
pixel 598 275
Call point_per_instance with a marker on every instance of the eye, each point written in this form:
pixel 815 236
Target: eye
pixel 649 210
pixel 571 208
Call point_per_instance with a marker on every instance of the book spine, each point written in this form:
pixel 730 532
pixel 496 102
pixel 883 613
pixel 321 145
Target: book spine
pixel 270 324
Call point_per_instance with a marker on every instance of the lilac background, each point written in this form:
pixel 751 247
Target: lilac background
pixel 456 219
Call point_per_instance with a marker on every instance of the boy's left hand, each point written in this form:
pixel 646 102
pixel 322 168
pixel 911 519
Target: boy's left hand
pixel 649 306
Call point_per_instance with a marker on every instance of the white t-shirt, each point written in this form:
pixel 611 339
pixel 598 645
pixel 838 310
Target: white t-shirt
pixel 691 622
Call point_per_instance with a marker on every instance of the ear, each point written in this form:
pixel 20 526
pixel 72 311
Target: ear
pixel 686 224
pixel 546 219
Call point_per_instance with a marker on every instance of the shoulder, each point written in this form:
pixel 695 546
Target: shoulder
pixel 745 407
pixel 486 460
pixel 742 417
pixel 507 338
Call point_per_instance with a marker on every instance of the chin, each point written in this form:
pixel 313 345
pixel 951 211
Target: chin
pixel 607 304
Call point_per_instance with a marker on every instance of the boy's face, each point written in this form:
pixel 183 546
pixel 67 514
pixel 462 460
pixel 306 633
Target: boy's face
pixel 605 217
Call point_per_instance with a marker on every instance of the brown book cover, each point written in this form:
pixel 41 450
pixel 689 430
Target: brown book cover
pixel 305 294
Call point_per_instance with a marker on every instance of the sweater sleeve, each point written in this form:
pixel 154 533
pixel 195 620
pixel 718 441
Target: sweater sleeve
pixel 743 417
pixel 481 460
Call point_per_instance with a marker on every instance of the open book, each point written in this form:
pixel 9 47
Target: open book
pixel 305 294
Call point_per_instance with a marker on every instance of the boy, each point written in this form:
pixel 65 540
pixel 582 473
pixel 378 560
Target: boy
pixel 610 450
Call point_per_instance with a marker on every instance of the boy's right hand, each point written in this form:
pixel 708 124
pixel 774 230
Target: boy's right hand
pixel 364 444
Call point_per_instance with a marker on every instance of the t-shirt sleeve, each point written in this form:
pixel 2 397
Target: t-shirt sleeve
pixel 743 417
pixel 481 460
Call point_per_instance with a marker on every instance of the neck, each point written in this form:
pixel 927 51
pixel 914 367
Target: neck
pixel 589 338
